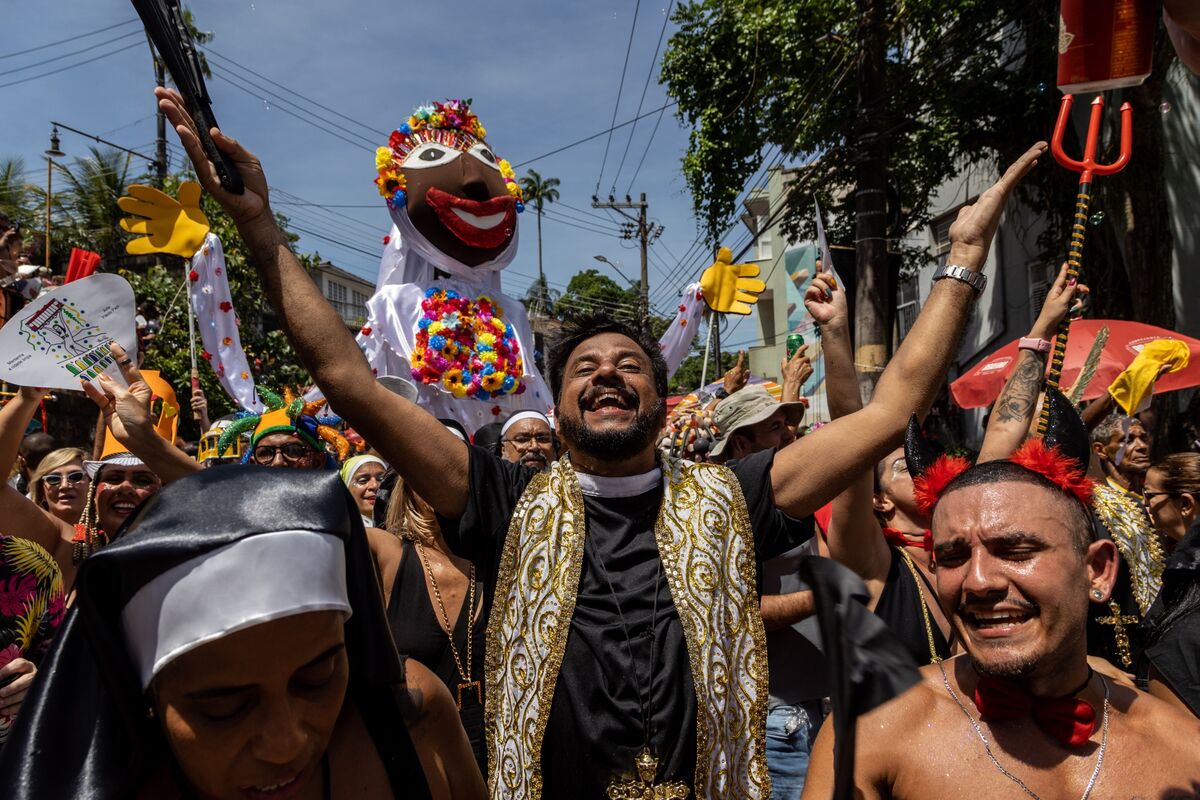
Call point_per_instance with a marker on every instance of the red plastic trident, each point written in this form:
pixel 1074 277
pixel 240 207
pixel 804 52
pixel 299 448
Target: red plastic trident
pixel 1087 169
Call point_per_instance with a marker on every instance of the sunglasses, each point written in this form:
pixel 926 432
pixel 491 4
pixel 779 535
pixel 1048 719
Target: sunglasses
pixel 292 452
pixel 73 477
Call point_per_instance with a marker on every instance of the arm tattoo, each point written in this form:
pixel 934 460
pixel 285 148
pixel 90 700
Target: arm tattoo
pixel 1020 394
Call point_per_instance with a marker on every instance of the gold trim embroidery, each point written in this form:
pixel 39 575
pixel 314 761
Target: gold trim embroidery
pixel 707 548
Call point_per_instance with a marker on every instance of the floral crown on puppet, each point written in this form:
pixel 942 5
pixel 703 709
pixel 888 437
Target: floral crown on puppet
pixel 286 414
pixel 451 124
pixel 1061 457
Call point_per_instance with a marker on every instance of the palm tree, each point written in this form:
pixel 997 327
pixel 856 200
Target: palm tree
pixel 89 200
pixel 18 199
pixel 540 192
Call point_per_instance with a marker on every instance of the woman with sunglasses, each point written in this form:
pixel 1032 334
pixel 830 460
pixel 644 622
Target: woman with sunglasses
pixel 60 484
pixel 1172 497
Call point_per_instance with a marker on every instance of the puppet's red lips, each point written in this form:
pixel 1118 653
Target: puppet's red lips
pixel 483 224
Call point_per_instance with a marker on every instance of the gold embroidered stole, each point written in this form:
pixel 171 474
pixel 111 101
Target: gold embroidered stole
pixel 707 548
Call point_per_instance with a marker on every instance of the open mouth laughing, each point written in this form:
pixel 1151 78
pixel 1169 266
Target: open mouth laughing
pixel 484 224
pixel 994 623
pixel 609 401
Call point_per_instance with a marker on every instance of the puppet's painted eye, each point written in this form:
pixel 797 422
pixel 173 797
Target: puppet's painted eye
pixel 484 154
pixel 429 155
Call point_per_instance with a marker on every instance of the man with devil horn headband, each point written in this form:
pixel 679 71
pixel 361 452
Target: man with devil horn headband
pixel 1017 564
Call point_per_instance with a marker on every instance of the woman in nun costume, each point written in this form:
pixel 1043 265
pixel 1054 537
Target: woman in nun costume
pixel 232 643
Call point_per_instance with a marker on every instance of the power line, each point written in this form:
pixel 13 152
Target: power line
pixel 587 139
pixel 68 39
pixel 70 66
pixel 374 131
pixel 283 104
pixel 620 87
pixel 87 49
pixel 642 100
pixel 645 152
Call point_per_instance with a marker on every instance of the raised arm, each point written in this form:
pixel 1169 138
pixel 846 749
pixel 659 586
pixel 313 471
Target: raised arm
pixel 126 412
pixel 428 456
pixel 1018 401
pixel 14 419
pixel 813 469
pixel 18 514
pixel 854 536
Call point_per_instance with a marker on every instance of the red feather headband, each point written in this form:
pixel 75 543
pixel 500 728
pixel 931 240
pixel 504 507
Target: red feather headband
pixel 1034 455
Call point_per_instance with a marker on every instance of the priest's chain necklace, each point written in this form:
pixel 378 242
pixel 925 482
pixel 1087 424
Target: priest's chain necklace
pixel 646 704
pixel 1091 784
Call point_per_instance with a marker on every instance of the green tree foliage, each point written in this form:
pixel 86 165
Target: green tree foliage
pixel 687 377
pixel 85 200
pixel 965 81
pixel 18 199
pixel 159 294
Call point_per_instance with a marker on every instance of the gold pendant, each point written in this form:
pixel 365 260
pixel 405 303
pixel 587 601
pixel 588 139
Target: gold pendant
pixel 468 685
pixel 646 788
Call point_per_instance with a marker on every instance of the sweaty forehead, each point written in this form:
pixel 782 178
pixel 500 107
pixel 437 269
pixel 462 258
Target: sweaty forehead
pixel 994 508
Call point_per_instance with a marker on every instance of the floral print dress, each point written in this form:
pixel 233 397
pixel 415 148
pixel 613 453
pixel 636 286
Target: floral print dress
pixel 32 605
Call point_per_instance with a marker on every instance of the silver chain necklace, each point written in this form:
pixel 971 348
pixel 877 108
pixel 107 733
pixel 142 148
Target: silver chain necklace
pixel 988 749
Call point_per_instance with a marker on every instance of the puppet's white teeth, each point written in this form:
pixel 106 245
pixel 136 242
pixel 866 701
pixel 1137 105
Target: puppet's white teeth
pixel 483 223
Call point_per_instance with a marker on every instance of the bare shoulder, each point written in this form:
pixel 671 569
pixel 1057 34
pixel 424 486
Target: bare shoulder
pixel 384 545
pixel 1165 728
pixel 902 718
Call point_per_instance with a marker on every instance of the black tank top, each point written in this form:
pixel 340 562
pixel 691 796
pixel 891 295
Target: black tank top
pixel 418 633
pixel 901 607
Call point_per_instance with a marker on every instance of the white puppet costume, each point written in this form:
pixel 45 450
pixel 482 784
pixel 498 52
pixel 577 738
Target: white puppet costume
pixel 438 315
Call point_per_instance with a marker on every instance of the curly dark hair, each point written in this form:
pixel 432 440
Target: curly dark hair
pixel 578 330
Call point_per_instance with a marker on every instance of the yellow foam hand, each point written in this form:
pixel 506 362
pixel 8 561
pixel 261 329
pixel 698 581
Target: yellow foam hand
pixel 163 224
pixel 731 288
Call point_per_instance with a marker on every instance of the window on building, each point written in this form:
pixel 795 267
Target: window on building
pixel 358 298
pixel 335 292
pixel 762 243
pixel 1041 277
pixel 908 305
pixel 940 229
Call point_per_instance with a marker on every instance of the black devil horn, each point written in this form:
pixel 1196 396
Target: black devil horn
pixel 918 454
pixel 1065 429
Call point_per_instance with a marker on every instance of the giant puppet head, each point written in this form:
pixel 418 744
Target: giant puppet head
pixel 439 172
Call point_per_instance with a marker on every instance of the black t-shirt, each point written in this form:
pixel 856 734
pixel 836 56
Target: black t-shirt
pixel 595 727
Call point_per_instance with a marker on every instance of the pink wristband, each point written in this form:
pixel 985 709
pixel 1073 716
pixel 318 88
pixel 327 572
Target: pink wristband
pixel 1036 345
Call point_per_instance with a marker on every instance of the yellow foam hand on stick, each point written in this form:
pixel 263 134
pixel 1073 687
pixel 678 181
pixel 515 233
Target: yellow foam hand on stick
pixel 731 288
pixel 163 224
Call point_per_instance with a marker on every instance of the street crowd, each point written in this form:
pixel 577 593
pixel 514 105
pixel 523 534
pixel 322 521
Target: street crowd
pixel 577 604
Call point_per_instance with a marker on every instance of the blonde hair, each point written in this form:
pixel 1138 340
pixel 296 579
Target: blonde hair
pixel 52 461
pixel 406 519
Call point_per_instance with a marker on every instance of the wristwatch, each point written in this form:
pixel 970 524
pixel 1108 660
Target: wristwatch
pixel 1036 345
pixel 976 280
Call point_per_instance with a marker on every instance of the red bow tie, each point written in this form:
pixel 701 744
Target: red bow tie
pixel 899 538
pixel 1068 719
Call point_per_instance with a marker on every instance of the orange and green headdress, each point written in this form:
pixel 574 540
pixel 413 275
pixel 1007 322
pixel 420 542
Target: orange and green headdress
pixel 287 414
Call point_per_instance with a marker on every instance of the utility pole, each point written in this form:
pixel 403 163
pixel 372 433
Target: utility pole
pixel 160 149
pixel 872 333
pixel 645 233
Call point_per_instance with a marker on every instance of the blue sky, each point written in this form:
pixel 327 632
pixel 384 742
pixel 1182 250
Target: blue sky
pixel 542 73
